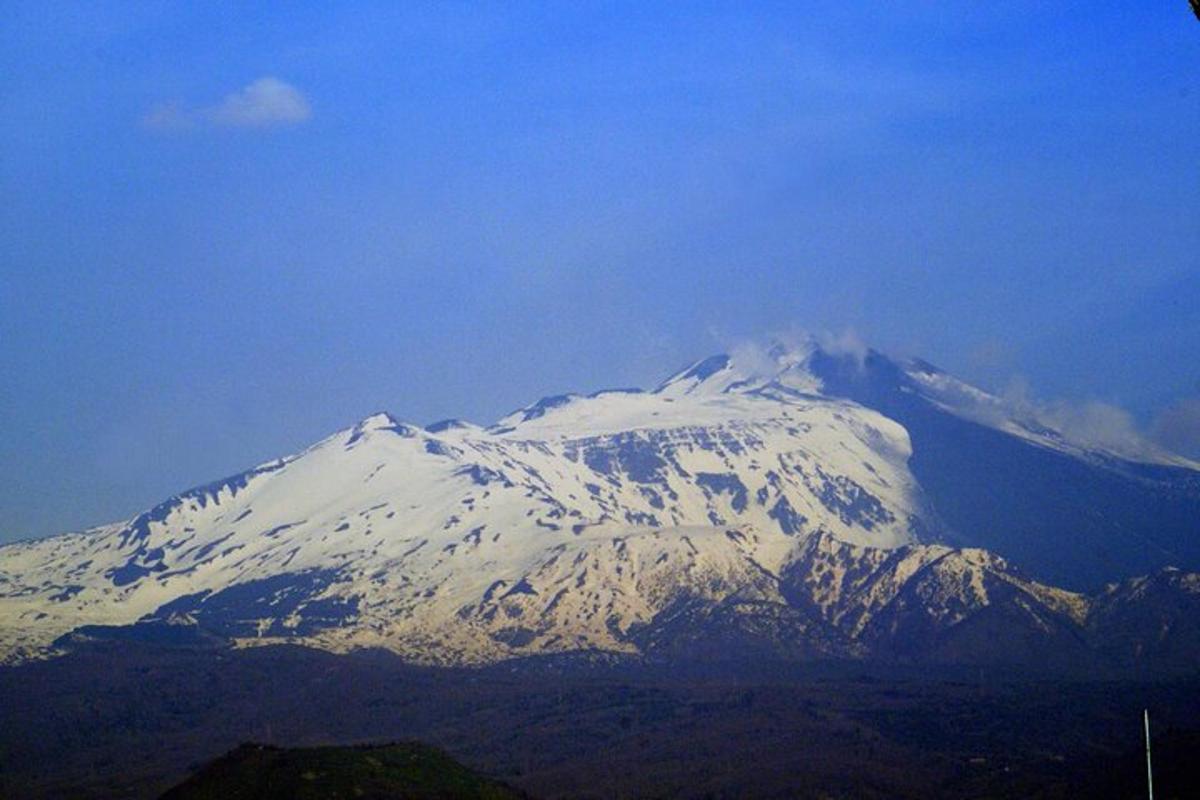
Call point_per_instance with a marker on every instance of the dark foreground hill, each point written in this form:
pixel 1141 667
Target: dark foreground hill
pixel 402 771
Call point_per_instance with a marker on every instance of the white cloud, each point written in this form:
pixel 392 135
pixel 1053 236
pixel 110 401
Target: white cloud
pixel 264 103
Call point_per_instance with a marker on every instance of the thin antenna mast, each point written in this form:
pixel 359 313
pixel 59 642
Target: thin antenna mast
pixel 1149 771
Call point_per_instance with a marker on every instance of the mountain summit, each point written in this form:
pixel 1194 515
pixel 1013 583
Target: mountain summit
pixel 800 501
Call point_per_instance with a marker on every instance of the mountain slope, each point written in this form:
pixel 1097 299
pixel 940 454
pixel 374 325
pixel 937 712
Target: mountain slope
pixel 1073 515
pixel 778 504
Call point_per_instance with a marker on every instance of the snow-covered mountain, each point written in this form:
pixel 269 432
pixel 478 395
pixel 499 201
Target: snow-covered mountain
pixel 795 502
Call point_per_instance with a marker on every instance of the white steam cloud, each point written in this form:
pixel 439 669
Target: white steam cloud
pixel 1091 424
pixel 845 344
pixel 1177 428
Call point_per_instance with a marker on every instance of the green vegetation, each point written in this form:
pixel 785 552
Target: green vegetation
pixel 407 771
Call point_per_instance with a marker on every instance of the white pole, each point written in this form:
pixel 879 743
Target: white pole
pixel 1149 772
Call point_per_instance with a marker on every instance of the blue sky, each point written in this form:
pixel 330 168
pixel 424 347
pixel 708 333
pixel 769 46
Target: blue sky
pixel 228 231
